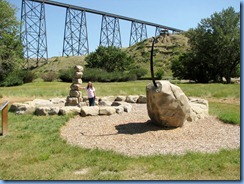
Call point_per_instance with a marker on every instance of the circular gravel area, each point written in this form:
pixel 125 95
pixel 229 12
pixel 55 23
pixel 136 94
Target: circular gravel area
pixel 133 134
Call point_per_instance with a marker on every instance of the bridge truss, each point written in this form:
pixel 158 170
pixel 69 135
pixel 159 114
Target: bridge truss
pixel 75 43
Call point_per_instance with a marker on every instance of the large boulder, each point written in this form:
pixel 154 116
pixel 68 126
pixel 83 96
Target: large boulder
pixel 59 101
pixel 22 108
pixel 44 111
pixel 104 103
pixel 106 110
pixel 199 109
pixel 42 103
pixel 69 110
pixel 89 111
pixel 167 105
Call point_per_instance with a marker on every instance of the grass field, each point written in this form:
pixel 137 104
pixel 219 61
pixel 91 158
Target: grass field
pixel 34 150
pixel 61 89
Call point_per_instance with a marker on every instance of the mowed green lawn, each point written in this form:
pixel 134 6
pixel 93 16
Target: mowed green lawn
pixel 33 149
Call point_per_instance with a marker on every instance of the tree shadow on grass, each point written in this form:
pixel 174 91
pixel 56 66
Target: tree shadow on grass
pixel 139 127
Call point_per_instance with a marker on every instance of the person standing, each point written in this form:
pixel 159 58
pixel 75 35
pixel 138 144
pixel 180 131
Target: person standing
pixel 91 92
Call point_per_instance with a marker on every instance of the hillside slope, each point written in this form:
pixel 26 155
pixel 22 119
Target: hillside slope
pixel 166 49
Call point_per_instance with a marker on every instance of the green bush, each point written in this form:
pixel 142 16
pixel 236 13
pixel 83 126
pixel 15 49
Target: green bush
pixel 100 75
pixel 49 77
pixel 14 78
pixel 66 75
pixel 18 77
pixel 130 77
pixel 159 74
pixel 29 76
pixel 139 72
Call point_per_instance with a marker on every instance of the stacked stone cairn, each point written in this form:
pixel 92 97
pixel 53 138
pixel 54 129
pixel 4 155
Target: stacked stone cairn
pixel 75 96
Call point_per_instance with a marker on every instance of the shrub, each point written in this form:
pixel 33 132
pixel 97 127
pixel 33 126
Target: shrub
pixel 93 74
pixel 100 75
pixel 49 77
pixel 130 77
pixel 29 77
pixel 14 78
pixel 159 74
pixel 139 72
pixel 66 75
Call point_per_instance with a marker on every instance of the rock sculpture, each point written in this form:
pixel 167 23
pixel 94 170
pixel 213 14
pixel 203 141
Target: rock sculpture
pixel 167 105
pixel 75 96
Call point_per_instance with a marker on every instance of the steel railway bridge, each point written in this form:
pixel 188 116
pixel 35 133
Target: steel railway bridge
pixel 75 41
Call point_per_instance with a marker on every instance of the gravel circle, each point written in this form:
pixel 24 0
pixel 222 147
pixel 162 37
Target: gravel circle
pixel 133 134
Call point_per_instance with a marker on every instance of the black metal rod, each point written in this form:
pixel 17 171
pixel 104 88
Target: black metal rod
pixel 151 64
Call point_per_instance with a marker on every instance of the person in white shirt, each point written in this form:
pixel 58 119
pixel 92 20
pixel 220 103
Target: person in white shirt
pixel 91 93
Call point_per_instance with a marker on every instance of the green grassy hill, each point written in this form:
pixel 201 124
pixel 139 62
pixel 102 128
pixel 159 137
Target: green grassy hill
pixel 165 50
pixel 55 64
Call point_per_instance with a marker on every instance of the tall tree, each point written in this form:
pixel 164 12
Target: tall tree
pixel 11 48
pixel 110 59
pixel 215 45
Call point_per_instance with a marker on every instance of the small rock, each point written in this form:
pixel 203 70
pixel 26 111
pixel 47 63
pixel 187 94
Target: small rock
pixel 120 98
pixel 119 109
pixel 132 98
pixel 142 99
pixel 78 68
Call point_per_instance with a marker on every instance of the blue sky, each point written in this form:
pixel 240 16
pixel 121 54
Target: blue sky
pixel 181 14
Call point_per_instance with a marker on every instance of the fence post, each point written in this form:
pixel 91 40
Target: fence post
pixel 4 109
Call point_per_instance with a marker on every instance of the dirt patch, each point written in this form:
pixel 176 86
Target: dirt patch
pixel 133 134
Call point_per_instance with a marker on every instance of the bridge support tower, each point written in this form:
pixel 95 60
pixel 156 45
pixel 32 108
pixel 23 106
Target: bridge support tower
pixel 138 32
pixel 75 33
pixel 33 31
pixel 110 32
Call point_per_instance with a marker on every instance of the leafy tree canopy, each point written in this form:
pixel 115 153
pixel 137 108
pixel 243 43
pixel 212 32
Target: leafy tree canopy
pixel 110 59
pixel 11 48
pixel 215 49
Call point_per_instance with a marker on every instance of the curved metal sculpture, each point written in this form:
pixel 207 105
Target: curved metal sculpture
pixel 151 64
